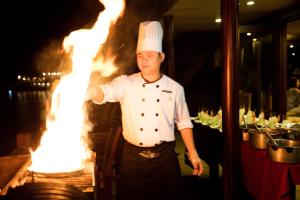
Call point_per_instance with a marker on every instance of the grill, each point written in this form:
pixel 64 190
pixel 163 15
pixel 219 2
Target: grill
pixel 44 191
pixel 17 182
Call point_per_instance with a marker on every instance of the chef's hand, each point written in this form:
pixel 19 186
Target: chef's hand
pixel 94 93
pixel 196 162
pixel 90 93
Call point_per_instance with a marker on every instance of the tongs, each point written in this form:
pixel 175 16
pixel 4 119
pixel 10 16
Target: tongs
pixel 245 123
pixel 266 134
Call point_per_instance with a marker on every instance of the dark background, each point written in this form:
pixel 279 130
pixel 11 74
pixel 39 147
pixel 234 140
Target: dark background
pixel 27 27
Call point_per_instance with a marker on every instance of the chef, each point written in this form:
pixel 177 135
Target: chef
pixel 152 104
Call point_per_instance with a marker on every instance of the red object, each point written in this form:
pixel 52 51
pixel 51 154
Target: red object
pixel 265 179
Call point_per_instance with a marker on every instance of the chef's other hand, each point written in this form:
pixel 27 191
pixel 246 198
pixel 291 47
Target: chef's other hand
pixel 196 162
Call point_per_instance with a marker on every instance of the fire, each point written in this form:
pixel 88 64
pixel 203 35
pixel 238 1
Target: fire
pixel 63 147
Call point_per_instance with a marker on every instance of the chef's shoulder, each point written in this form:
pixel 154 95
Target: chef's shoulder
pixel 172 84
pixel 123 79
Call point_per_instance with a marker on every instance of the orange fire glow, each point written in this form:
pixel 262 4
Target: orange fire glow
pixel 63 147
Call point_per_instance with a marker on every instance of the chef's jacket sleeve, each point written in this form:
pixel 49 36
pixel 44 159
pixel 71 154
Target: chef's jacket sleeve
pixel 182 116
pixel 113 91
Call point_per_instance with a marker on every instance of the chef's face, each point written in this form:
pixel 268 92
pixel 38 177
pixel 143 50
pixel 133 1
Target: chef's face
pixel 149 61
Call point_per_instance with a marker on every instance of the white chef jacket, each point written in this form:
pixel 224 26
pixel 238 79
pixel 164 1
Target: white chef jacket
pixel 149 110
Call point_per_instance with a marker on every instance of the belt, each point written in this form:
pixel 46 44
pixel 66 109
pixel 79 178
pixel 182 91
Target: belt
pixel 149 154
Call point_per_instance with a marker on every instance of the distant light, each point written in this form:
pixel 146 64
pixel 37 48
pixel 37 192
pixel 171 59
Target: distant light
pixel 44 74
pixel 218 20
pixel 293 54
pixel 291 46
pixel 250 3
pixel 249 34
pixel 254 39
pixel 10 93
pixel 19 77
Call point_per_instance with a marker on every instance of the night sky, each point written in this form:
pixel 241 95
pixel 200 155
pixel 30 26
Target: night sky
pixel 31 29
pixel 28 27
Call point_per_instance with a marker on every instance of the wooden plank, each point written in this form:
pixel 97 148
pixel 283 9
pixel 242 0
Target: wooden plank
pixel 11 169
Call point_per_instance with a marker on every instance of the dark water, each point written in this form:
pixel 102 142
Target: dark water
pixel 21 111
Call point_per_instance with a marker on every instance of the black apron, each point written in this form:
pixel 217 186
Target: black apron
pixel 149 173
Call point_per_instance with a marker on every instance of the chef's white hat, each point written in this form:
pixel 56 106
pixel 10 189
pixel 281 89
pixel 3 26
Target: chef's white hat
pixel 150 36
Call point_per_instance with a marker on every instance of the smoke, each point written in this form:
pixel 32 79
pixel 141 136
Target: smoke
pixel 120 44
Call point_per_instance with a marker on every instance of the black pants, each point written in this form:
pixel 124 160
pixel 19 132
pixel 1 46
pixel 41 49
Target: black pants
pixel 149 178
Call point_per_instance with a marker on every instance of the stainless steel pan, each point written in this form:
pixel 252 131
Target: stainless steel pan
pixel 258 137
pixel 285 151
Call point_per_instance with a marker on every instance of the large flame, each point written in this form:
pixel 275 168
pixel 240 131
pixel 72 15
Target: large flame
pixel 63 146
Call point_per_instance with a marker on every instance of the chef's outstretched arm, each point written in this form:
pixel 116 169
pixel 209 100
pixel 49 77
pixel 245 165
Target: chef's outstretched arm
pixel 95 93
pixel 187 136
